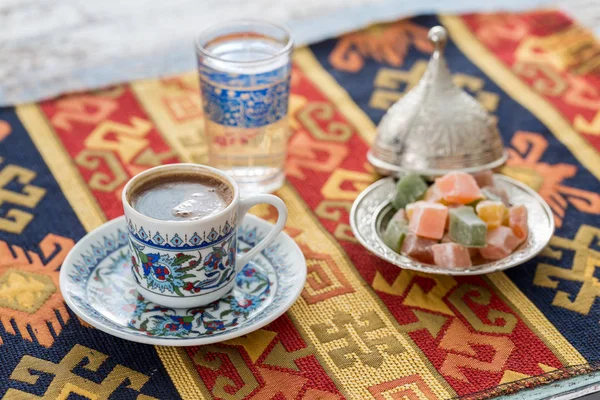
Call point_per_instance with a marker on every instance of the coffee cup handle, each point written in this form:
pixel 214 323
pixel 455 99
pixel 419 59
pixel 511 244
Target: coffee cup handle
pixel 245 205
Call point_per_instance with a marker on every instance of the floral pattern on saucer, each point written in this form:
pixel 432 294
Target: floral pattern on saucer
pixel 98 285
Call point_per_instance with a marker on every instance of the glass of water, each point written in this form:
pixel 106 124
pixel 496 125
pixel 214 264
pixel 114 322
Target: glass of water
pixel 244 69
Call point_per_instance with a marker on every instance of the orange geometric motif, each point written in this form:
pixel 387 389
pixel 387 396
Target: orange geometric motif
pixel 459 339
pixel 306 153
pixel 324 279
pixel 495 28
pixel 524 164
pixel 409 387
pixel 82 108
pixel 29 295
pixel 384 43
pixel 274 384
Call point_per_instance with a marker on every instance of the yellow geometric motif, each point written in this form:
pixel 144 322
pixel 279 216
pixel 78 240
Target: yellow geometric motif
pixel 254 343
pixel 175 107
pixel 585 262
pixel 359 181
pixel 223 385
pixel 280 357
pixel 590 128
pixel 545 79
pixel 91 159
pixel 433 323
pixel 503 322
pixel 574 48
pixel 317 111
pixel 125 140
pixel 16 220
pixel 357 339
pixel 25 291
pixel 511 376
pixel 30 304
pixel 331 209
pixel 66 382
pixel 431 300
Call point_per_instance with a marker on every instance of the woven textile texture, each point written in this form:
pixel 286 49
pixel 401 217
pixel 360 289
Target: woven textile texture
pixel 362 329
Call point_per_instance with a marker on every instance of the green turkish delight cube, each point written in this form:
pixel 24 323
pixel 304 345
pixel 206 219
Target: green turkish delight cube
pixel 409 189
pixel 466 227
pixel 394 234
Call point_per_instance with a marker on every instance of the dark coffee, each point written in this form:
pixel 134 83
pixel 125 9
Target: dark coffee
pixel 181 196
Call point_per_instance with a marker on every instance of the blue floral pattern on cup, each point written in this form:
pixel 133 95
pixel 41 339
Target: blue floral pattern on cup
pixel 179 273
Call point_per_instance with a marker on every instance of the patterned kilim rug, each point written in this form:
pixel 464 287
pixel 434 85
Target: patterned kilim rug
pixel 362 328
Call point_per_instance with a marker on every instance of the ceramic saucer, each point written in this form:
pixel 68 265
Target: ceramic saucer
pixel 97 285
pixel 372 210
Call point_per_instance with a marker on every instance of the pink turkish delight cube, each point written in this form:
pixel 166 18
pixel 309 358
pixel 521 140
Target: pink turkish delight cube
pixel 517 220
pixel 473 251
pixel 501 241
pixel 418 248
pixel 400 215
pixel 451 255
pixel 484 178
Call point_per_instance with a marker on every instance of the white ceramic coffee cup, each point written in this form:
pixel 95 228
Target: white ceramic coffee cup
pixel 191 263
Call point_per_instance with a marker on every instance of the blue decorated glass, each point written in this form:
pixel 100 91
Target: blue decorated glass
pixel 244 69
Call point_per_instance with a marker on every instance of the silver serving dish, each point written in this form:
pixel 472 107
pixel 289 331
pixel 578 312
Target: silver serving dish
pixel 372 211
pixel 436 127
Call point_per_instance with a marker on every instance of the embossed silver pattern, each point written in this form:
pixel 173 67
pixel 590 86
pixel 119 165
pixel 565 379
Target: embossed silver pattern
pixel 436 127
pixel 366 222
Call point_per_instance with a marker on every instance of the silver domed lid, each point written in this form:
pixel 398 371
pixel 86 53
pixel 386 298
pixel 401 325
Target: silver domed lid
pixel 436 127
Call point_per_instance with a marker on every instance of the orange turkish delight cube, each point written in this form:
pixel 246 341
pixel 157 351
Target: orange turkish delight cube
pixel 458 187
pixel 410 208
pixel 428 220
